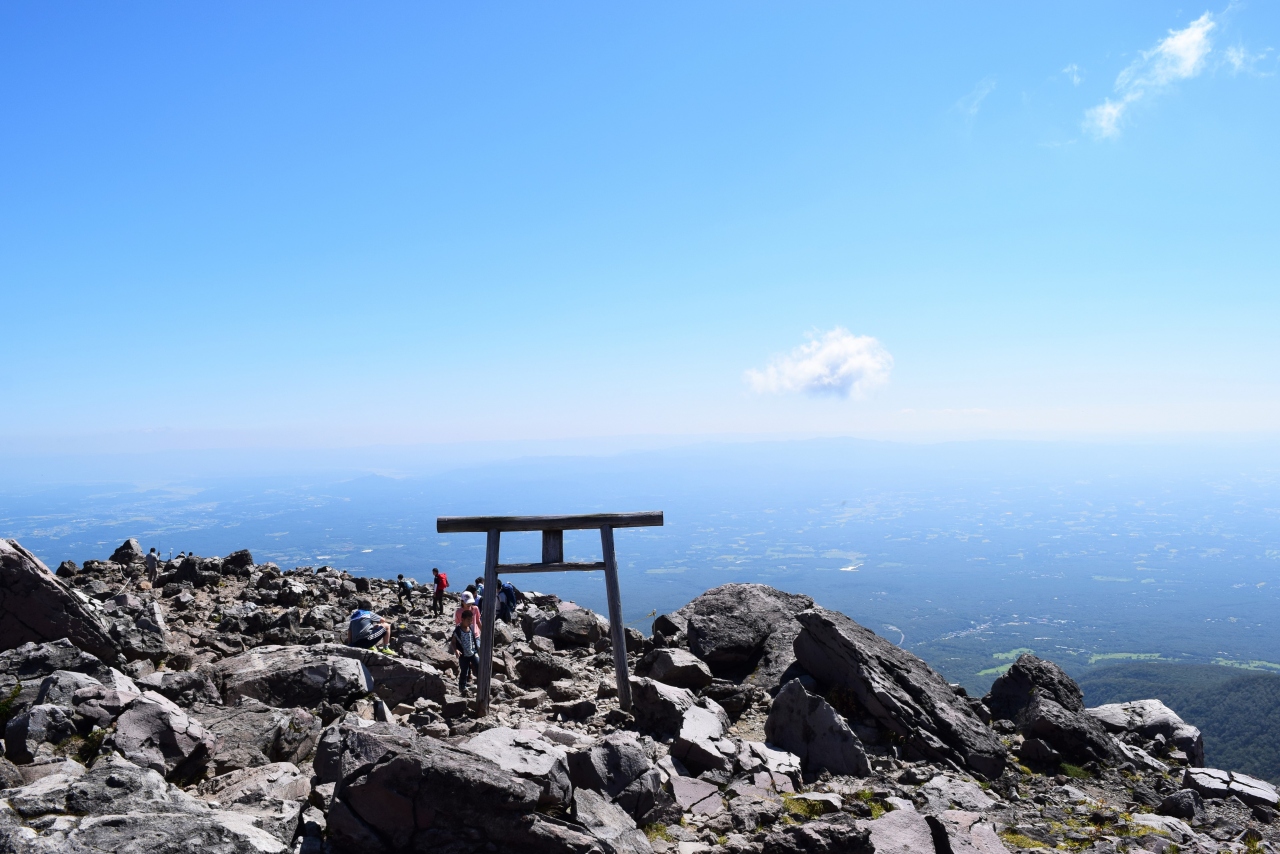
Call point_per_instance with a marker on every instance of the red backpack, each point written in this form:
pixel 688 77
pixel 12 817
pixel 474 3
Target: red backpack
pixel 444 581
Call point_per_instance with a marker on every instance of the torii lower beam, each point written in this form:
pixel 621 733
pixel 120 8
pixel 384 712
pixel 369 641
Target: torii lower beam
pixel 552 528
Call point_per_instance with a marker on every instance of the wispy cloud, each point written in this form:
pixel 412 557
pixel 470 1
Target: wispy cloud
pixel 1073 73
pixel 835 363
pixel 969 105
pixel 1180 56
pixel 1240 60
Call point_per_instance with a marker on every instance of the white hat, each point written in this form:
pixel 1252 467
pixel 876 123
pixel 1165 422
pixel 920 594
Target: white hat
pixel 467 598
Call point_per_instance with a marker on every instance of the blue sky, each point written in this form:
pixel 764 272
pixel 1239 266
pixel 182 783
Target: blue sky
pixel 319 224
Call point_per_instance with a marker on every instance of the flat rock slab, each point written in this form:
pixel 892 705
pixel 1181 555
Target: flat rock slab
pixel 900 832
pixel 965 832
pixel 697 796
pixel 806 725
pixel 1150 718
pixel 946 793
pixel 526 753
pixel 1213 783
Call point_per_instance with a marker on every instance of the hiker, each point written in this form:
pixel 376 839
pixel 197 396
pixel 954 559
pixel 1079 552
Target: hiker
pixel 480 592
pixel 468 606
pixel 439 581
pixel 153 565
pixel 404 590
pixel 508 598
pixel 365 628
pixel 466 644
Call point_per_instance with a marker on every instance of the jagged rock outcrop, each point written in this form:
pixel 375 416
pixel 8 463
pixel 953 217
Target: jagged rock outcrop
pixel 897 690
pixel 251 734
pixel 1046 704
pixel 36 606
pixel 1151 718
pixel 526 754
pixel 806 725
pixel 154 733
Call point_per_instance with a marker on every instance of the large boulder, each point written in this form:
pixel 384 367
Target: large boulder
pixel 117 806
pixel 526 754
pixel 130 551
pixel 609 823
pixel 539 670
pixel 744 631
pixel 698 744
pixel 24 669
pixel 898 691
pixel 573 627
pixel 40 724
pixel 251 734
pixel 60 687
pixel 401 792
pixel 680 668
pixel 806 725
pixel 184 687
pixel 960 830
pixel 1046 704
pixel 1149 718
pixel 609 765
pixel 659 708
pixel 293 676
pixel 36 606
pixel 155 733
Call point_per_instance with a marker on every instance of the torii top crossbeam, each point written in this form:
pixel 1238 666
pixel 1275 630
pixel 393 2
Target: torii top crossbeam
pixel 552 528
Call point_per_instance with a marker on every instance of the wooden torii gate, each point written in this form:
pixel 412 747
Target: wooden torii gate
pixel 552 528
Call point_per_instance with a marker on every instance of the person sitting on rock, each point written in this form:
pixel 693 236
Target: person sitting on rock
pixel 465 643
pixel 366 628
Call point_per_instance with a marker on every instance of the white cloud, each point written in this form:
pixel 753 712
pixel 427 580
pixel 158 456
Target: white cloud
pixel 1240 59
pixel 1180 56
pixel 1073 71
pixel 971 103
pixel 835 363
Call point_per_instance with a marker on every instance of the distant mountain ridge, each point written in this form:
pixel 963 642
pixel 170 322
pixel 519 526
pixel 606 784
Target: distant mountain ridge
pixel 1238 711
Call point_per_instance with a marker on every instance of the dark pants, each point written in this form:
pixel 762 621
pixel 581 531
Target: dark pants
pixel 437 602
pixel 467 664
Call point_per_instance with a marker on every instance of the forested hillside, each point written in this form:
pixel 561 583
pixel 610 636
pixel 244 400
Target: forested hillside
pixel 1237 710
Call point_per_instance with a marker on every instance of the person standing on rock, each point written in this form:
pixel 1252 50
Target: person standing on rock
pixel 439 581
pixel 153 565
pixel 404 590
pixel 466 645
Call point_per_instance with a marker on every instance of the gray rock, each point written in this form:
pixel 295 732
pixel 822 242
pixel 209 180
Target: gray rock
pixel 957 831
pixel 698 743
pixel 744 631
pixel 279 780
pixel 118 807
pixel 526 754
pixel 36 606
pixel 610 765
pixel 659 708
pixel 900 832
pixel 1185 804
pixel 697 796
pixel 41 724
pixel 252 733
pixel 1038 752
pixel 279 818
pixel 573 627
pixel 829 837
pixel 1045 703
pixel 1075 735
pixel 293 676
pixel 806 725
pixel 609 823
pixel 540 669
pixel 129 552
pixel 944 793
pixel 154 733
pixel 1149 718
pixel 60 686
pixel 184 687
pixel 10 776
pixel 899 691
pixel 401 792
pixel 1213 783
pixel 680 668
pixel 100 705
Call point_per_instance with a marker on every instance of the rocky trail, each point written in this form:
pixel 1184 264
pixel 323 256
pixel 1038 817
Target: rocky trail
pixel 218 710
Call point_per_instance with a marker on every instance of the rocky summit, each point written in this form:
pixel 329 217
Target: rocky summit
pixel 218 709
